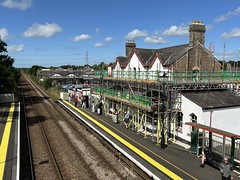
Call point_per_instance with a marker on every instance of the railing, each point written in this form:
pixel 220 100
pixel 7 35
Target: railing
pixel 175 77
pixel 127 96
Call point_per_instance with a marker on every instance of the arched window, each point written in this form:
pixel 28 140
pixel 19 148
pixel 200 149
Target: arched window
pixel 179 121
pixel 194 120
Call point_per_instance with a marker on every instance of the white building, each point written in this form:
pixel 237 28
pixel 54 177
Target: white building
pixel 216 109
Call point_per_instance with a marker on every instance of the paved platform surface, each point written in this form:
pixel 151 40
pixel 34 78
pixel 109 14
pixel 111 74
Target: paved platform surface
pixel 175 157
pixel 10 141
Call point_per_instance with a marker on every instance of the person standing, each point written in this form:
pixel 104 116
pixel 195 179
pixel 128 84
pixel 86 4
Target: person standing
pixel 126 119
pixel 83 102
pixel 69 97
pixel 75 101
pixel 226 169
pixel 93 106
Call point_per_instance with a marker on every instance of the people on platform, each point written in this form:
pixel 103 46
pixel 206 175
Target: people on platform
pixel 93 106
pixel 69 97
pixel 75 101
pixel 99 107
pixel 226 169
pixel 112 111
pixel 206 156
pixel 126 119
pixel 84 102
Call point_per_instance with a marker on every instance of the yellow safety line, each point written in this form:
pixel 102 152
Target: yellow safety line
pixel 144 147
pixel 130 146
pixel 5 141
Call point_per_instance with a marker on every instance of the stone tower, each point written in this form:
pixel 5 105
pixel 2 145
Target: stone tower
pixel 129 45
pixel 196 33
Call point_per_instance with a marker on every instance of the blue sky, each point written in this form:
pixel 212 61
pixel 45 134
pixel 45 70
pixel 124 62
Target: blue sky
pixel 75 32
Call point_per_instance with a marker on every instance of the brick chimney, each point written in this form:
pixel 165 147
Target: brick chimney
pixel 129 45
pixel 196 33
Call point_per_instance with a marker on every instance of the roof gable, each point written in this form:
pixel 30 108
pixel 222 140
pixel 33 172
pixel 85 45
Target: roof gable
pixel 167 55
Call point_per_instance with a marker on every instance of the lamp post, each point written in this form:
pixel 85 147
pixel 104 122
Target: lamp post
pixel 163 78
pixel 101 85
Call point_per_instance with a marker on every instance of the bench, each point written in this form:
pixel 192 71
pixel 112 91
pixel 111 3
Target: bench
pixel 214 160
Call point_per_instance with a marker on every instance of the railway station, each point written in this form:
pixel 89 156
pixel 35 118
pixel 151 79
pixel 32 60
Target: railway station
pixel 174 94
pixel 159 108
pixel 173 162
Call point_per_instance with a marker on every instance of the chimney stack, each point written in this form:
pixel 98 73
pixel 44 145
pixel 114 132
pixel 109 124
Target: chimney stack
pixel 129 45
pixel 196 33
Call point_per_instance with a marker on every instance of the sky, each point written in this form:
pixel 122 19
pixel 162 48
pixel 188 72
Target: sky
pixel 78 32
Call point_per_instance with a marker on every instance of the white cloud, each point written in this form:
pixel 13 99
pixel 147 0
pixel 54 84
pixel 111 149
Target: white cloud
pixel 108 39
pixel 15 48
pixel 176 31
pixel 98 44
pixel 228 55
pixel 134 34
pixel 97 30
pixel 81 37
pixel 3 34
pixel 209 27
pixel 228 15
pixel 154 40
pixel 42 30
pixel 19 4
pixel 234 33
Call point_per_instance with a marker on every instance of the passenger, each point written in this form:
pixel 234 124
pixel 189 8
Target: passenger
pixel 126 119
pixel 111 111
pixel 83 102
pixel 99 107
pixel 69 97
pixel 226 169
pixel 93 106
pixel 206 157
pixel 75 101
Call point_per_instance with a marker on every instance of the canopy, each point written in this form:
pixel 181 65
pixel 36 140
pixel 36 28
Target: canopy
pixel 213 130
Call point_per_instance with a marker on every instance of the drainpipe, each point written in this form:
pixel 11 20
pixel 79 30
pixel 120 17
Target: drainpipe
pixel 210 133
pixel 211 117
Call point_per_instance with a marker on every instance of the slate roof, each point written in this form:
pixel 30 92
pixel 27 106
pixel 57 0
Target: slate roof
pixel 175 51
pixel 63 73
pixel 213 99
pixel 168 55
pixel 121 60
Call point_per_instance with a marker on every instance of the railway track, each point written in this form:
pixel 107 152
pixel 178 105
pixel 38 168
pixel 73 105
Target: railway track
pixel 62 148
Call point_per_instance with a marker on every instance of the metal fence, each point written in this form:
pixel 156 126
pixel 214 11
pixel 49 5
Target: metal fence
pixel 6 98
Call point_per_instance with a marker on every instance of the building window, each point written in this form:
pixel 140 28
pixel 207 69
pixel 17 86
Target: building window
pixel 194 120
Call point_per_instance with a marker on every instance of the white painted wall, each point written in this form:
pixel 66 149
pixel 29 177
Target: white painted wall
pixel 117 67
pixel 188 107
pixel 134 62
pixel 227 119
pixel 157 66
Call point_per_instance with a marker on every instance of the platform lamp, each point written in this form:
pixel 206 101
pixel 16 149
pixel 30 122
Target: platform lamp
pixel 163 79
pixel 101 85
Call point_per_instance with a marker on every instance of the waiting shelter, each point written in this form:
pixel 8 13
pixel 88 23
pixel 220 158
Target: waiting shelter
pixel 198 140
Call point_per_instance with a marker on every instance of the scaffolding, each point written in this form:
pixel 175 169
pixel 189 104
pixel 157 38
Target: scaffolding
pixel 153 98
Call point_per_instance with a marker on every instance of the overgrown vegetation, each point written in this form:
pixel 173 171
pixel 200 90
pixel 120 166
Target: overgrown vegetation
pixel 9 76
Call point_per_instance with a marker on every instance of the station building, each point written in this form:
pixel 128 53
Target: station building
pixel 164 89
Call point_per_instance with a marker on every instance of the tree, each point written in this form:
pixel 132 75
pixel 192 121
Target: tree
pixel 9 76
pixel 47 83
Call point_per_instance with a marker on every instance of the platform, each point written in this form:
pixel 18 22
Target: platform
pixel 172 162
pixel 10 140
